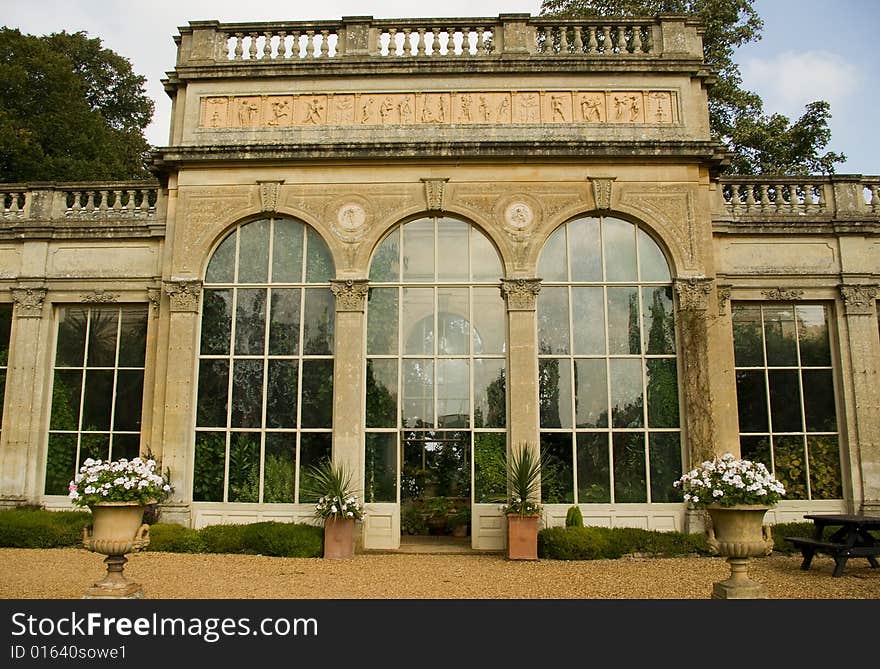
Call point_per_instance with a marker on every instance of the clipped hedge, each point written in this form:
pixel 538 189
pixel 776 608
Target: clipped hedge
pixel 595 543
pixel 31 527
pixel 284 539
pixel 798 529
pixel 173 538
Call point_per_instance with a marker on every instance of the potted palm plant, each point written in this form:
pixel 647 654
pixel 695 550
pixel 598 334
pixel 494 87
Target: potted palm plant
pixel 522 507
pixel 337 504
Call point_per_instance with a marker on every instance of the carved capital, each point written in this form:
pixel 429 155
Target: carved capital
pixel 693 293
pixel 351 294
pixel 99 296
pixel 29 301
pixel 520 294
pixel 184 294
pixel 859 299
pixel 435 189
pixel 724 292
pixel 602 191
pixel 782 294
pixel 269 195
pixel 154 295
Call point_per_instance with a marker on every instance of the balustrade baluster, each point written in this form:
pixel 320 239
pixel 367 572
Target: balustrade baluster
pixel 102 208
pixel 765 197
pixel 548 39
pixel 407 44
pixel 392 42
pixel 252 48
pixel 808 198
pixel 295 47
pixel 267 45
pixel 481 41
pixel 281 51
pixel 310 43
pixel 129 203
pixel 637 40
pixel 465 41
pixel 239 46
pixel 792 197
pixel 75 205
pixel 780 198
pixel 420 43
pixel 578 40
pixel 875 197
pixel 117 201
pixel 750 197
pixel 607 47
pixel 450 43
pixel 325 43
pixel 621 40
pixel 563 39
pixel 592 44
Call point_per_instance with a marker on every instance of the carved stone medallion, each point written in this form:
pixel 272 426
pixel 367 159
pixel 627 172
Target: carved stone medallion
pixel 518 215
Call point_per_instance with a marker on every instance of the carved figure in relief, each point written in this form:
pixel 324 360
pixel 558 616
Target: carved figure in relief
pixel 528 108
pixel 503 108
pixel 367 110
pixel 591 109
pixel 214 104
pixel 628 107
pixel 660 101
pixel 558 111
pixel 314 109
pixel 280 110
pixel 466 108
pixel 344 107
pixel 386 109
pixel 485 112
pixel 248 113
pixel 405 111
pixel 441 112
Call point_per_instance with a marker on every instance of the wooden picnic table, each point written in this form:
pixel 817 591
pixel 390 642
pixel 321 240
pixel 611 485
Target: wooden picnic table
pixel 853 538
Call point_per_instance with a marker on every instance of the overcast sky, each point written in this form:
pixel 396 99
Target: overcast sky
pixel 811 49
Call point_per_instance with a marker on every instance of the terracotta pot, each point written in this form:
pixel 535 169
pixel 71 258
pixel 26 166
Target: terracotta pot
pixel 738 533
pixel 338 538
pixel 522 537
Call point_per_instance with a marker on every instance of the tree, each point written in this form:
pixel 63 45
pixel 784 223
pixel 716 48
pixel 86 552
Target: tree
pixel 70 110
pixel 759 143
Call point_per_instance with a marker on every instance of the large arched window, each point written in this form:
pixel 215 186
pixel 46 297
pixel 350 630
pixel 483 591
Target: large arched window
pixel 608 382
pixel 436 370
pixel 265 392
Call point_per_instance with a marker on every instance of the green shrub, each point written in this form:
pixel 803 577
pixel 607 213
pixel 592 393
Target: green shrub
pixel 173 538
pixel 33 527
pixel 574 517
pixel 284 539
pixel 797 529
pixel 593 543
pixel 223 539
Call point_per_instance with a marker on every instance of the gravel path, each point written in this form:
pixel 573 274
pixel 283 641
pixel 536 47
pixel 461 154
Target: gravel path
pixel 65 573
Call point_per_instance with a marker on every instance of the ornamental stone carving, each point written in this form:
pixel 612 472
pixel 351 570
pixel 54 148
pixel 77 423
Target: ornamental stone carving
pixel 693 293
pixel 269 195
pixel 782 294
pixel 154 295
pixel 434 192
pixel 724 293
pixel 518 215
pixel 29 301
pixel 520 294
pixel 99 296
pixel 351 216
pixel 602 192
pixel 184 294
pixel 859 299
pixel 351 294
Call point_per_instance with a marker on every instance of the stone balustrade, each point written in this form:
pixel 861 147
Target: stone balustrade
pixel 120 201
pixel 597 39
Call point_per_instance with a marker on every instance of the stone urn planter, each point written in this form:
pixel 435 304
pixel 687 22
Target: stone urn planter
pixel 738 533
pixel 117 528
pixel 522 537
pixel 338 538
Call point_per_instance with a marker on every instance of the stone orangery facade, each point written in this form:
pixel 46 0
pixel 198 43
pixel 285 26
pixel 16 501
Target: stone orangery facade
pixel 410 244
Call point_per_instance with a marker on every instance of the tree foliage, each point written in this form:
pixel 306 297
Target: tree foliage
pixel 70 110
pixel 759 143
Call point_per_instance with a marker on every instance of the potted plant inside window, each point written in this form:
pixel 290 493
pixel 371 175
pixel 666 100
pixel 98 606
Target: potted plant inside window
pixel 522 507
pixel 117 493
pixel 337 504
pixel 736 494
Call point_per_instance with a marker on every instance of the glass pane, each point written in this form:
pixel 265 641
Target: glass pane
pixel 284 321
pixel 97 400
pixel 781 335
pixel 453 393
pixel 591 393
pixel 819 400
pixel 490 482
pixel 287 251
pixel 489 321
pixel 129 400
pixel 253 253
pixel 453 321
pixel 662 393
pixel 221 268
pixel 651 259
pixel 213 390
pixel 629 467
pixel 380 467
pixel 585 250
pixel 418 320
pixel 66 393
pixel 825 481
pixel 490 393
pixel 209 465
pixel 103 328
pixel 620 250
pixel 61 465
pixel 624 333
pixel 382 321
pixel 452 250
pixel 554 379
pixel 418 393
pixel 557 474
pixel 385 265
pixel 756 449
pixel 5 329
pixel 216 322
pixel 279 468
pixel 626 393
pixel 250 321
pixel 553 265
pixel 2 393
pixel 593 468
pixel 553 321
pixel 748 344
pixel 72 324
pixel 319 317
pixel 94 445
pixel 244 467
pixel 247 393
pixel 790 462
pixel 319 262
pixel 588 320
pixel 418 250
pixel 659 323
pixel 665 458
pixel 751 400
pixel 485 262
pixel 125 446
pixel 381 393
pixel 813 334
pixel 133 337
pixel 317 393
pixel 785 404
pixel 314 448
pixel 281 393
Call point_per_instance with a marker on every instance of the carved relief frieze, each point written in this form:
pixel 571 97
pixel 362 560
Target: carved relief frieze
pixel 29 301
pixel 351 294
pixel 782 294
pixel 269 195
pixel 184 294
pixel 521 294
pixel 99 296
pixel 671 209
pixel 693 293
pixel 859 299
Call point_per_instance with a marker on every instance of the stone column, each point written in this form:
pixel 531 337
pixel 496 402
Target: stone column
pixel 19 454
pixel 177 448
pixel 348 376
pixel 862 347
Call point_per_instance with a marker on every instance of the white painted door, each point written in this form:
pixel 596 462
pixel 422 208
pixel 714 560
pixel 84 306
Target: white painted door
pixel 488 528
pixel 381 526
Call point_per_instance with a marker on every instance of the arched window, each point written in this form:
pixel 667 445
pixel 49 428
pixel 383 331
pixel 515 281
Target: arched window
pixel 607 366
pixel 436 370
pixel 265 393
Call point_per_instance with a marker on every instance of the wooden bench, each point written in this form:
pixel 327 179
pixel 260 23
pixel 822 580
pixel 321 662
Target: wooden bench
pixel 841 552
